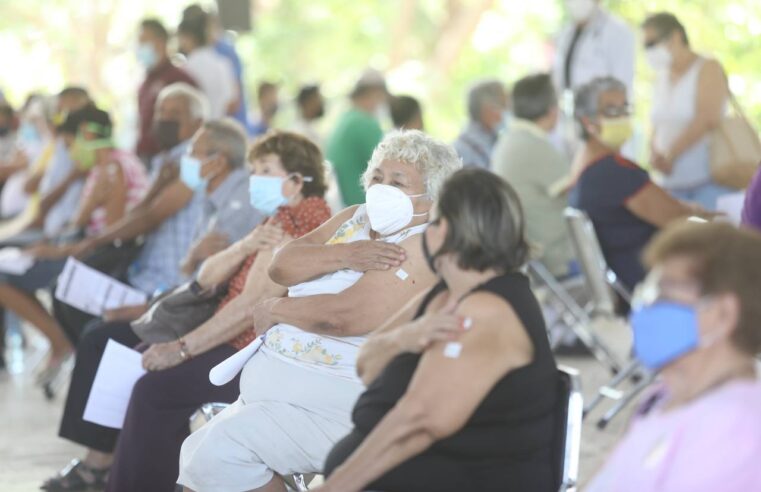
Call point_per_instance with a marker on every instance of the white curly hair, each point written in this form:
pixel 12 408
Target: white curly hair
pixel 435 160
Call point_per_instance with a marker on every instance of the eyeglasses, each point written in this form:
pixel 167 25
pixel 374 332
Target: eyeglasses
pixel 616 111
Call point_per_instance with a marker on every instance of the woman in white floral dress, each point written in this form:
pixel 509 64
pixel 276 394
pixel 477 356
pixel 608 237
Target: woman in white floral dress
pixel 345 279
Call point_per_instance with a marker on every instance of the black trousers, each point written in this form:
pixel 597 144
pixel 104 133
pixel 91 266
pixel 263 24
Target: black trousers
pixel 156 424
pixel 89 352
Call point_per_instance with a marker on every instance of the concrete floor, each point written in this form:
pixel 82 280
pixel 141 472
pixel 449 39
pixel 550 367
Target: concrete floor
pixel 30 450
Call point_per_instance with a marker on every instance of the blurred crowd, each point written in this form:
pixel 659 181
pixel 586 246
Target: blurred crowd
pixel 369 285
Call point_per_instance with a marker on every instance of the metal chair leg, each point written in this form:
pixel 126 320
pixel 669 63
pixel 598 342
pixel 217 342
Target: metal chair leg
pixel 624 402
pixel 609 390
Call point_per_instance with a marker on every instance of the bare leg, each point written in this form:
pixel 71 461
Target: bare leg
pixel 98 459
pixel 29 308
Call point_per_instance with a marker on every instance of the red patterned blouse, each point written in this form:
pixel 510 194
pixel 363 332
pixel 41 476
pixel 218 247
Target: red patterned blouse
pixel 296 221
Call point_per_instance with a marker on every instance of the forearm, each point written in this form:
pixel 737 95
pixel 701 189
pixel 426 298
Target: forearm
pixel 138 221
pixel 690 136
pixel 397 438
pixel 325 314
pixel 297 263
pixel 375 355
pixel 231 321
pixel 219 268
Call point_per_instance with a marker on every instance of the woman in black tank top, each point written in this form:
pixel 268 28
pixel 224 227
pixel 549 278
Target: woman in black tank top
pixel 462 384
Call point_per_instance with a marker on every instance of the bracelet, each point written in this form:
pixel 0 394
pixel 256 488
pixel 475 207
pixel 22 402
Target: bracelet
pixel 184 352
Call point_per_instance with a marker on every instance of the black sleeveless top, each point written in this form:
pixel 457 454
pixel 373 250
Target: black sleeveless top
pixel 509 437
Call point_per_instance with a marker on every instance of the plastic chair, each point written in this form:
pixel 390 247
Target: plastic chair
pixel 297 482
pixel 568 424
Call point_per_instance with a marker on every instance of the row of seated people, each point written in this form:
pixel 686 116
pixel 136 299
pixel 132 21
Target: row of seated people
pixel 380 291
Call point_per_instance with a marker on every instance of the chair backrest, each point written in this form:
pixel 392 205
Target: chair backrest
pixel 591 260
pixel 568 422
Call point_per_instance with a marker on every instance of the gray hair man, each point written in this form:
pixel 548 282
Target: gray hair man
pixel 488 105
pixel 525 158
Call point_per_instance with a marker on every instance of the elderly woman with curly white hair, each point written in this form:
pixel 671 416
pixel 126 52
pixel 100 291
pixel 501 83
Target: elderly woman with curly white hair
pixel 345 279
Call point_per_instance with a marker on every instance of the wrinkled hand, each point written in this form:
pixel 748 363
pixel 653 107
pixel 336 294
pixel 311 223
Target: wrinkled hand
pixel 362 256
pixel 442 326
pixel 263 319
pixel 125 314
pixel 162 356
pixel 263 237
pixel 662 163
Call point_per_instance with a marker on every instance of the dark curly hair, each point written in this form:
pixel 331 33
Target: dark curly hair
pixel 298 154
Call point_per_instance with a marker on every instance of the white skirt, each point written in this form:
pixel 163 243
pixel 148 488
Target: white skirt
pixel 286 421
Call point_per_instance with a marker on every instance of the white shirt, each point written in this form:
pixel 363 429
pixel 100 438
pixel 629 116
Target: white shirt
pixel 606 47
pixel 307 129
pixel 215 77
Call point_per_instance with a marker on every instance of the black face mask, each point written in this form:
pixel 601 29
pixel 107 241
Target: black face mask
pixel 4 130
pixel 430 259
pixel 166 133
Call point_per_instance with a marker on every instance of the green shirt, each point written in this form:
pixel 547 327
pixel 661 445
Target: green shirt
pixel 349 149
pixel 526 159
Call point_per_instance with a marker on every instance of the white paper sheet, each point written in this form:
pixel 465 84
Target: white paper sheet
pixel 119 370
pixel 15 261
pixel 94 292
pixel 225 371
pixel 732 205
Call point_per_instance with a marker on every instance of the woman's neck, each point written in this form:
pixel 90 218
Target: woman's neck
pixel 461 282
pixel 683 61
pixel 686 385
pixel 593 151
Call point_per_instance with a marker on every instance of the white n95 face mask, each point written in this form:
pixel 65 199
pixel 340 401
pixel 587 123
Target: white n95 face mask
pixel 389 208
pixel 658 57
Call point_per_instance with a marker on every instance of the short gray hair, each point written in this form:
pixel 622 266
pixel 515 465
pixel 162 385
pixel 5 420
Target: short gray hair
pixel 435 160
pixel 587 97
pixel 586 101
pixel 227 137
pixel 482 94
pixel 198 104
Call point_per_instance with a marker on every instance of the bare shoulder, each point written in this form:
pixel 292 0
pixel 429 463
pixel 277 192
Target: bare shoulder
pixel 712 71
pixel 495 322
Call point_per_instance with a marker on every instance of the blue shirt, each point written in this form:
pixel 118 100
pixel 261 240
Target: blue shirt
pixel 225 48
pixel 158 265
pixel 64 209
pixel 602 191
pixel 228 209
pixel 475 145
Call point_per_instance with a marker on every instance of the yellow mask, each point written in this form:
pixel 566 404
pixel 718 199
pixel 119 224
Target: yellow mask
pixel 614 132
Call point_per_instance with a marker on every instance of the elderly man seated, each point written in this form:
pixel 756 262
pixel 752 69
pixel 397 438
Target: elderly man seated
pixel 298 389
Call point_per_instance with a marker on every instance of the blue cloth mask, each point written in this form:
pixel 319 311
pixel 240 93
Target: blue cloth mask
pixel 147 56
pixel 663 332
pixel 190 172
pixel 266 193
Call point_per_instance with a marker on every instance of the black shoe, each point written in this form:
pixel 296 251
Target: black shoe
pixel 575 349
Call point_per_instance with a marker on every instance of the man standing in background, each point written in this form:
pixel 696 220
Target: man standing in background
pixel 159 73
pixel 594 44
pixel 356 134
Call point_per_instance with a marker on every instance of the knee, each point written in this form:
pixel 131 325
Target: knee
pixel 94 338
pixel 149 391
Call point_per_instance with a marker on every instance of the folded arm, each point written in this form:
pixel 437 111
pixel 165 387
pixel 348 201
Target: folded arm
pixel 362 307
pixel 655 206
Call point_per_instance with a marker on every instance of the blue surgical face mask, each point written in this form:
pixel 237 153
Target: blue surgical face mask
pixel 266 193
pixel 147 56
pixel 28 133
pixel 190 172
pixel 663 332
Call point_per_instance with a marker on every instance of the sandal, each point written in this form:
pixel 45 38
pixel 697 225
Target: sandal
pixel 71 478
pixel 53 369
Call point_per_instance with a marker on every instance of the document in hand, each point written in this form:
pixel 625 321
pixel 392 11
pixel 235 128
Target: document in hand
pixel 119 369
pixel 15 261
pixel 225 371
pixel 93 292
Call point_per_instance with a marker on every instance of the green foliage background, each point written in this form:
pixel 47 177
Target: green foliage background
pixel 50 42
